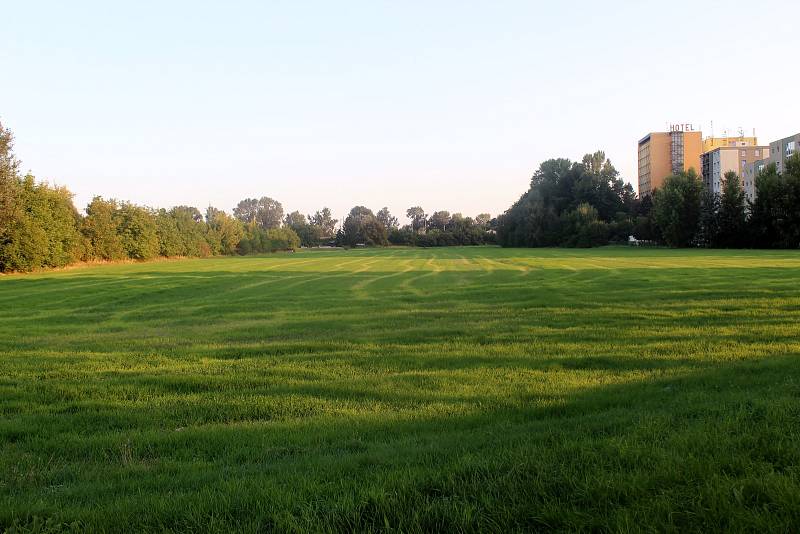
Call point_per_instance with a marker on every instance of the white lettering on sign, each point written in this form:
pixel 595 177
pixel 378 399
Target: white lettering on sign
pixel 681 127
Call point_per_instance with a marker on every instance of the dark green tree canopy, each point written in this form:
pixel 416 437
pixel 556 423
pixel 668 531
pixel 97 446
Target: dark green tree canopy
pixel 362 227
pixel 541 217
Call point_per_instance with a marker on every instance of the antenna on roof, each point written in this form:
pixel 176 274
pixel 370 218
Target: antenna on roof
pixel 712 128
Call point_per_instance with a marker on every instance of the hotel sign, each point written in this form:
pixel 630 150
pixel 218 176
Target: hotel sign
pixel 681 128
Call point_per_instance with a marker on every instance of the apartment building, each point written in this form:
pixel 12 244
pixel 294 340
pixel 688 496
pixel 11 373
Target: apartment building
pixel 783 149
pixel 777 152
pixel 719 161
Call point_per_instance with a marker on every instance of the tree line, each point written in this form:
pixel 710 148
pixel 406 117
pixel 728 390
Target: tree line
pixel 585 204
pixel 40 226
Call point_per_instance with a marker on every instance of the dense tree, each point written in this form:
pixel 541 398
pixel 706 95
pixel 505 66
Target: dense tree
pixel 559 192
pixel 483 220
pixel 309 234
pixel 460 231
pixel 775 213
pixel 100 229
pixel 582 227
pixel 323 220
pixel 708 223
pixel 362 227
pixel 138 231
pixel 225 231
pixel 676 208
pixel 732 225
pixel 43 230
pixel 192 231
pixel 9 186
pixel 266 212
pixel 387 219
pixel 439 220
pixel 259 240
pixel 418 218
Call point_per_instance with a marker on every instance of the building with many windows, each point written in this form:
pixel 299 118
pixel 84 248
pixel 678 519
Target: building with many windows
pixel 777 152
pixel 783 149
pixel 664 153
pixel 719 161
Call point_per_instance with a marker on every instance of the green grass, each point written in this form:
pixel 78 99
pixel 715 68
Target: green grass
pixel 462 389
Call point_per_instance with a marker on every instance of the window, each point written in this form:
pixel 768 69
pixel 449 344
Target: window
pixel 744 163
pixel 757 152
pixel 790 147
pixel 743 153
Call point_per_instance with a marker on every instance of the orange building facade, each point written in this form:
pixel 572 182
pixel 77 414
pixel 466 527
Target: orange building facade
pixel 664 153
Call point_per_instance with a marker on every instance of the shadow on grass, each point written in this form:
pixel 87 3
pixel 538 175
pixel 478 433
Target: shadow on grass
pixel 713 448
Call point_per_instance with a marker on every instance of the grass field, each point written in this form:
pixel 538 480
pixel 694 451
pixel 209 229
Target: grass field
pixel 461 389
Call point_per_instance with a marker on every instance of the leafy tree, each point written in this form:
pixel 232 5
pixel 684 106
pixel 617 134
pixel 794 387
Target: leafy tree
pixel 775 213
pixel 708 223
pixel 9 188
pixel 191 231
pixel 362 227
pixel 43 228
pixel 259 240
pixel 676 208
pixel 582 227
pixel 387 219
pixel 439 220
pixel 170 241
pixel 323 220
pixel 138 231
pixel 418 218
pixel 402 236
pixel 246 210
pixel 483 220
pixel 308 233
pixel 266 212
pixel 732 226
pixel 100 229
pixel 225 231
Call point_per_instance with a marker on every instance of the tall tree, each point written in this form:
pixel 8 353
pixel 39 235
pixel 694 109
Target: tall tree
pixel 708 223
pixel 323 220
pixel 308 233
pixel 387 219
pixel 439 220
pixel 100 229
pixel 266 212
pixel 362 227
pixel 138 231
pixel 732 213
pixel 227 231
pixel 9 187
pixel 418 218
pixel 676 208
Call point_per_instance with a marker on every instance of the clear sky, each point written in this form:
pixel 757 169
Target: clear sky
pixel 444 104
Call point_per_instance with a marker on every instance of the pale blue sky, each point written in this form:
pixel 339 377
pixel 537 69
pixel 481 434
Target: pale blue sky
pixel 446 104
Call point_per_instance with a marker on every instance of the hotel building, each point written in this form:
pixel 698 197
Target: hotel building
pixel 664 153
